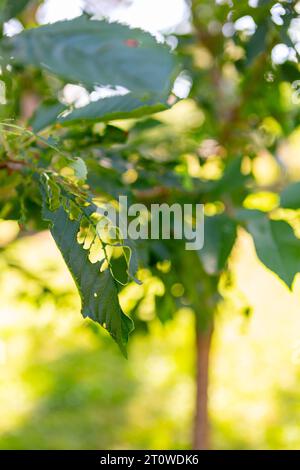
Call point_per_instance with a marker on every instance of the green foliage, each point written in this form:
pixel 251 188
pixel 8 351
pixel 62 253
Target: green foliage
pixel 209 149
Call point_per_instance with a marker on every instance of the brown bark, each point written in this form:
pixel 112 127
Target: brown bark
pixel 201 424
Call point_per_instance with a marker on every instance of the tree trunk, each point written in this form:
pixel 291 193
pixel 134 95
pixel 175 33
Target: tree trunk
pixel 201 423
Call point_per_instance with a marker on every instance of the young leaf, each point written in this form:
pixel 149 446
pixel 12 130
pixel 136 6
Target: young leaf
pixel 276 245
pixel 98 290
pixel 219 238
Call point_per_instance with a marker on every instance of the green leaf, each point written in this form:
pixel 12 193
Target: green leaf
pixel 104 110
pixel 95 53
pixel 276 245
pixel 232 182
pixel 165 307
pixel 219 238
pixel 114 107
pixel 290 197
pixel 98 290
pixel 257 43
pixel 80 169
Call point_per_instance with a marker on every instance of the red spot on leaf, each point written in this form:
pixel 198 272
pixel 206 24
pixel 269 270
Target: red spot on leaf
pixel 131 43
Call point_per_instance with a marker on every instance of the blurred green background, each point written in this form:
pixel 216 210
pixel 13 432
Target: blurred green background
pixel 65 385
